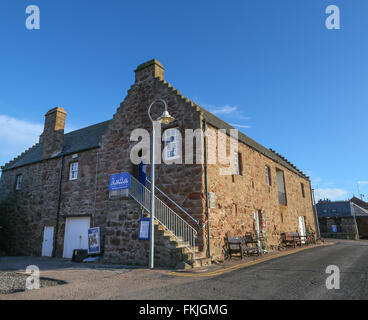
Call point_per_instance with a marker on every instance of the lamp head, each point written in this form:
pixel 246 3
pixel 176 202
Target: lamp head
pixel 166 118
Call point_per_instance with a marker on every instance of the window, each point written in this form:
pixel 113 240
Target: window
pixel 303 193
pixel 238 163
pixel 281 187
pixel 18 182
pixel 172 140
pixel 268 175
pixel 236 160
pixel 73 174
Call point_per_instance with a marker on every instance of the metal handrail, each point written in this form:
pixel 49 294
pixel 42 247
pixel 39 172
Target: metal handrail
pixel 175 203
pixel 167 217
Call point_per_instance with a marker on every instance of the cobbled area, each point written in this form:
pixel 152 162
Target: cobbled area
pixel 11 282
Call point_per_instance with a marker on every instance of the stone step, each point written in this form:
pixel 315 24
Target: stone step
pixel 189 259
pixel 196 263
pixel 166 233
pixel 201 262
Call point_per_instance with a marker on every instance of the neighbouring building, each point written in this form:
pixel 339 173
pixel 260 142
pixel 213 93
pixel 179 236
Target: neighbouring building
pixel 359 202
pixel 53 192
pixel 343 219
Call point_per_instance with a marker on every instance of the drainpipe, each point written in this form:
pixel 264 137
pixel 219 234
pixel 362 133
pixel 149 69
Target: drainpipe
pixel 206 187
pixel 94 209
pixel 315 211
pixel 58 206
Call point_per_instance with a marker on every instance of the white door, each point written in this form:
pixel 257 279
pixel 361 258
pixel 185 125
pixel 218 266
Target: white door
pixel 257 225
pixel 76 235
pixel 48 240
pixel 302 227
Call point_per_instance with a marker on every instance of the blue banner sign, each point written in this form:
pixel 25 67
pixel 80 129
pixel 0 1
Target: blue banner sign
pixel 94 240
pixel 119 181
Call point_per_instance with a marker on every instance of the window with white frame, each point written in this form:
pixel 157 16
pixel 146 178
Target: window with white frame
pixel 73 173
pixel 18 182
pixel 172 143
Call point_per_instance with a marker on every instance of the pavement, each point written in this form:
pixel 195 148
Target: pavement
pixel 293 274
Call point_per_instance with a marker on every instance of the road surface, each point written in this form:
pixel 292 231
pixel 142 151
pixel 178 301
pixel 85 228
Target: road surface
pixel 299 275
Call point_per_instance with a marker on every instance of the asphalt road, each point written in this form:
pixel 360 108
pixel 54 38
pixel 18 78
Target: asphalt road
pixel 298 276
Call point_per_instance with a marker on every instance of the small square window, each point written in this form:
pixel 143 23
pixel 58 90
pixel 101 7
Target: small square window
pixel 18 183
pixel 73 173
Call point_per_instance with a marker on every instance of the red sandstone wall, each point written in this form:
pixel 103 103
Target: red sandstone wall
pixel 26 212
pixel 237 197
pixel 183 183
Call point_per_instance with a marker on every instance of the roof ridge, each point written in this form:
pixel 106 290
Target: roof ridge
pixel 19 156
pixel 364 210
pixel 203 110
pixel 93 130
pixel 92 125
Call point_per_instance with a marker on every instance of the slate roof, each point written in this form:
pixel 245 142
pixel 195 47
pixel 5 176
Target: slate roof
pixel 359 202
pixel 221 124
pixel 75 141
pixel 272 154
pixel 89 137
pixel 334 209
pixel 340 209
pixel 359 211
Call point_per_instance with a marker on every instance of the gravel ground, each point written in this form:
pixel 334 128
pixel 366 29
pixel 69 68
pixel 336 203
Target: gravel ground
pixel 11 282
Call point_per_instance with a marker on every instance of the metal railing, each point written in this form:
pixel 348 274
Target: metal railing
pixel 167 217
pixel 282 198
pixel 174 203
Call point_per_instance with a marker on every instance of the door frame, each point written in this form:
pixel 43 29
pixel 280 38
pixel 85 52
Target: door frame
pixel 43 254
pixel 66 223
pixel 258 228
pixel 302 227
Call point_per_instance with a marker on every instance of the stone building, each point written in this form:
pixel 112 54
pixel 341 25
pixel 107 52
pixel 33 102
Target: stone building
pixel 343 219
pixel 57 189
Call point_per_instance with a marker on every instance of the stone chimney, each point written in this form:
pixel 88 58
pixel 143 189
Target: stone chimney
pixel 53 132
pixel 148 70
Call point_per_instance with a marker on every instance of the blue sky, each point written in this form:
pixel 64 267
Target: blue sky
pixel 269 67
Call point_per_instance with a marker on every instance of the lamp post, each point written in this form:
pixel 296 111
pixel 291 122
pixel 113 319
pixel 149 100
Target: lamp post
pixel 165 119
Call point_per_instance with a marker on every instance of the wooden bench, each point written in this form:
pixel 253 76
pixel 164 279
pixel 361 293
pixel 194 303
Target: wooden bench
pixel 303 239
pixel 291 238
pixel 240 245
pixel 254 248
pixel 234 245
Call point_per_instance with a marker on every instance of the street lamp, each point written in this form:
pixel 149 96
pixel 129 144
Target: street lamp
pixel 165 119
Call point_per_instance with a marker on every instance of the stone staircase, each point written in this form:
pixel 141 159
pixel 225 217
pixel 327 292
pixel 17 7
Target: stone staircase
pixel 175 238
pixel 173 252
